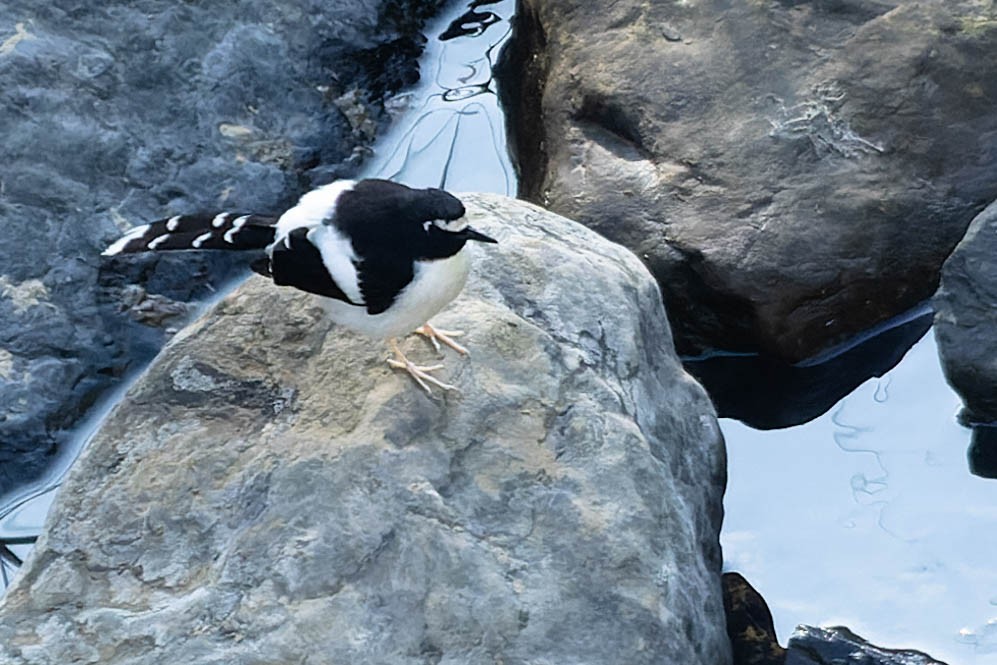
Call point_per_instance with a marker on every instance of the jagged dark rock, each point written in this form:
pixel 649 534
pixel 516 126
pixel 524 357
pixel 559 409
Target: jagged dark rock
pixel 120 112
pixel 809 645
pixel 966 319
pixel 791 172
pixel 753 639
pixel 749 624
pixel 269 490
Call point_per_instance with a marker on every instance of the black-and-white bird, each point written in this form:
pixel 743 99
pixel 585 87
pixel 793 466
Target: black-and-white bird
pixel 384 256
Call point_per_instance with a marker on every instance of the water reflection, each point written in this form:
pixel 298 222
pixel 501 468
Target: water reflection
pixel 20 523
pixel 469 24
pixel 767 393
pixel 983 451
pixel 867 517
pixel 452 134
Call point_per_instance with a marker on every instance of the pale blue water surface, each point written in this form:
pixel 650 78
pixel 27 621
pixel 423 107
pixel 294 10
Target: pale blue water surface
pixel 868 517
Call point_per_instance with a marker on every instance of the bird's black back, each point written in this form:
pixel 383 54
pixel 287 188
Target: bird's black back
pixel 386 223
pixel 387 219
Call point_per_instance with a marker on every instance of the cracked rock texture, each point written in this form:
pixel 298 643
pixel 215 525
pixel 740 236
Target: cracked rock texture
pixel 791 172
pixel 270 492
pixel 966 318
pixel 118 112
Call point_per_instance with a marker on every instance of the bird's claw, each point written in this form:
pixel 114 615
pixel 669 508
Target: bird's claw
pixel 417 372
pixel 421 374
pixel 436 335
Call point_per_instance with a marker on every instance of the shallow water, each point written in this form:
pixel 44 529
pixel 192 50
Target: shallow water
pixel 448 131
pixel 869 517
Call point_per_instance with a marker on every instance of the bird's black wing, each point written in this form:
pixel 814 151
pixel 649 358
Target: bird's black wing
pixel 382 278
pixel 296 262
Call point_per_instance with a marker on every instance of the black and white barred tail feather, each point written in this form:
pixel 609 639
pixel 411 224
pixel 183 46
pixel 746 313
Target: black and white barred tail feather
pixel 226 230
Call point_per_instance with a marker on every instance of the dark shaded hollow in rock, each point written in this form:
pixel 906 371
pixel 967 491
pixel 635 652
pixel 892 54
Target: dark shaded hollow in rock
pixel 767 393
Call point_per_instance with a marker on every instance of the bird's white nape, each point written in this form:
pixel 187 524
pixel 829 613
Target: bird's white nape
pixel 314 208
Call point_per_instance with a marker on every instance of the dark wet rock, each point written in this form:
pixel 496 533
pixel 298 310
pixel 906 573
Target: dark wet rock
pixel 269 490
pixel 839 646
pixel 470 23
pixel 791 172
pixel 966 322
pixel 982 452
pixel 749 624
pixel 768 393
pixel 753 639
pixel 119 112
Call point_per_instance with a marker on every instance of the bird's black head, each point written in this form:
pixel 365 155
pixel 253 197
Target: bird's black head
pixel 424 223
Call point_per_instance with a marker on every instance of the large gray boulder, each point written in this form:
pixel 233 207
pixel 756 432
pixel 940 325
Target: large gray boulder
pixel 966 318
pixel 791 172
pixel 119 112
pixel 270 492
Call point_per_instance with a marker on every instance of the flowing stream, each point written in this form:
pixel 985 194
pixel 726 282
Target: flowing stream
pixel 447 132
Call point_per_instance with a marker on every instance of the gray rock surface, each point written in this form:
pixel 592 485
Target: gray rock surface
pixel 270 492
pixel 791 172
pixel 118 112
pixel 809 645
pixel 966 318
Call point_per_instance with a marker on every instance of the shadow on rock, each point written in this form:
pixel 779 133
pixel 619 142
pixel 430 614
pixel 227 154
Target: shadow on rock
pixel 767 393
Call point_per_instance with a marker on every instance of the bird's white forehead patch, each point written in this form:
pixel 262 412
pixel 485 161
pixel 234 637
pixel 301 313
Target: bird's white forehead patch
pixel 451 225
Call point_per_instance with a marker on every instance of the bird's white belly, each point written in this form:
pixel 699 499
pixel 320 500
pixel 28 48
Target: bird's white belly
pixel 434 285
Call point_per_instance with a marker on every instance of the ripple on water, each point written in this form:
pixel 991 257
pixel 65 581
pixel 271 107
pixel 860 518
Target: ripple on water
pixel 868 516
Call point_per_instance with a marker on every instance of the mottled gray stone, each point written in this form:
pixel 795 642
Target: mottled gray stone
pixel 966 318
pixel 271 492
pixel 791 172
pixel 118 112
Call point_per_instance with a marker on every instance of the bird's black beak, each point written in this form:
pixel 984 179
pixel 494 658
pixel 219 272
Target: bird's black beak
pixel 471 234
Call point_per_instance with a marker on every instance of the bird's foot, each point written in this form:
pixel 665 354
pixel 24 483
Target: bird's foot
pixel 436 335
pixel 418 372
